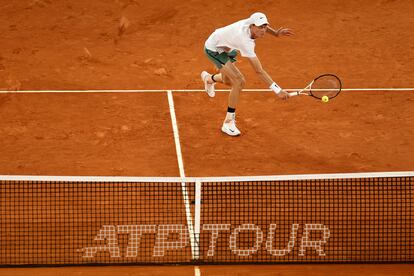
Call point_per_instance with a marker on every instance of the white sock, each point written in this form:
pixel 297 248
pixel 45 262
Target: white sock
pixel 230 116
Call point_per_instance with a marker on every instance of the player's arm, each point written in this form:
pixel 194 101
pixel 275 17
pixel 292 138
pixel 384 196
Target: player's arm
pixel 279 32
pixel 258 68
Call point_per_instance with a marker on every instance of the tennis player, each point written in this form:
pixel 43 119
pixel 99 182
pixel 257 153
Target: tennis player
pixel 222 47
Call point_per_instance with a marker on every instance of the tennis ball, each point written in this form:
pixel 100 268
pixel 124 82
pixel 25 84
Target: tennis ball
pixel 325 99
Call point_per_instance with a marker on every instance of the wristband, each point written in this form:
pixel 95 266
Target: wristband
pixel 275 88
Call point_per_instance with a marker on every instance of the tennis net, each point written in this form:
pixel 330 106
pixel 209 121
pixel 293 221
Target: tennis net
pixel 332 218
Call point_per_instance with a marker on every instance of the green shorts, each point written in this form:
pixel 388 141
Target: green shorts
pixel 220 59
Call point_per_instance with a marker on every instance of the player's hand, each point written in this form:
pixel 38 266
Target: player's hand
pixel 284 95
pixel 284 32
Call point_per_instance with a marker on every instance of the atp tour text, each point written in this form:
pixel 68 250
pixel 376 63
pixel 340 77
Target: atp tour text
pixel 170 237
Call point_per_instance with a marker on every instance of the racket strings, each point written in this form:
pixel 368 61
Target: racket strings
pixel 327 85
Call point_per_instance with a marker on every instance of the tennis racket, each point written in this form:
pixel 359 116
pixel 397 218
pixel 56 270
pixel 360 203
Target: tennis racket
pixel 325 85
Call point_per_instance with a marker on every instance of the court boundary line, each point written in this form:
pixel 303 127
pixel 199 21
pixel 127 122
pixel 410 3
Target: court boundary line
pixel 183 90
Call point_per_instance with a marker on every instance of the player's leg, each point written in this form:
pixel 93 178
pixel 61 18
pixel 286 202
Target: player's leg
pixel 219 60
pixel 230 73
pixel 208 83
pixel 225 79
pixel 237 81
pixel 219 77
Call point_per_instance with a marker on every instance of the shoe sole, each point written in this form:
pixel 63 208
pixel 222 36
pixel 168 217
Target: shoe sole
pixel 211 95
pixel 229 132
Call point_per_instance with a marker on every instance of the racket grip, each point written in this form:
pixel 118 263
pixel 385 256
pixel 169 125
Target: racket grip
pixel 291 94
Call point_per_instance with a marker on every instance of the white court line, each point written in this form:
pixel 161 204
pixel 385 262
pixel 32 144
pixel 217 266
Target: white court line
pixel 183 90
pixel 197 271
pixel 197 218
pixel 219 179
pixel 176 134
pixel 184 190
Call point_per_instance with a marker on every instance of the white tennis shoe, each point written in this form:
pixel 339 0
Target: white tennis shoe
pixel 209 87
pixel 230 128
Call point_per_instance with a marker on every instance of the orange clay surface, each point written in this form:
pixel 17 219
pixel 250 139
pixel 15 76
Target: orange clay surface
pixel 248 270
pixel 77 45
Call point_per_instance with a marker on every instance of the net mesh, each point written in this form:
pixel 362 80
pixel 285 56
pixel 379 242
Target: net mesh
pixel 244 221
pixel 326 85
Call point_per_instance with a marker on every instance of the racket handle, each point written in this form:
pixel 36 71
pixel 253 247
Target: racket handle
pixel 291 94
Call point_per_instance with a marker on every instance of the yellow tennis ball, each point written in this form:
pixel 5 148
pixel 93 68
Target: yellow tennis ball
pixel 325 99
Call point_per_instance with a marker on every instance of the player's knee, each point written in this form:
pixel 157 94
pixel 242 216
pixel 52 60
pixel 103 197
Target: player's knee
pixel 239 82
pixel 224 79
pixel 243 81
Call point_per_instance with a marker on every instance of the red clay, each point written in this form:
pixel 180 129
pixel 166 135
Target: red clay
pixel 71 45
pixel 75 45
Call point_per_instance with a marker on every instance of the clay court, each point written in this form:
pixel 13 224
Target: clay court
pixel 77 46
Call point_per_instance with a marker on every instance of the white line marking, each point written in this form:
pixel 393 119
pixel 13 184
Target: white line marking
pixel 176 134
pixel 197 218
pixel 197 271
pixel 185 90
pixel 182 175
pixel 127 179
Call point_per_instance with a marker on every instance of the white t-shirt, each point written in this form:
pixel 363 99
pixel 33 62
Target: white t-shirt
pixel 234 37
